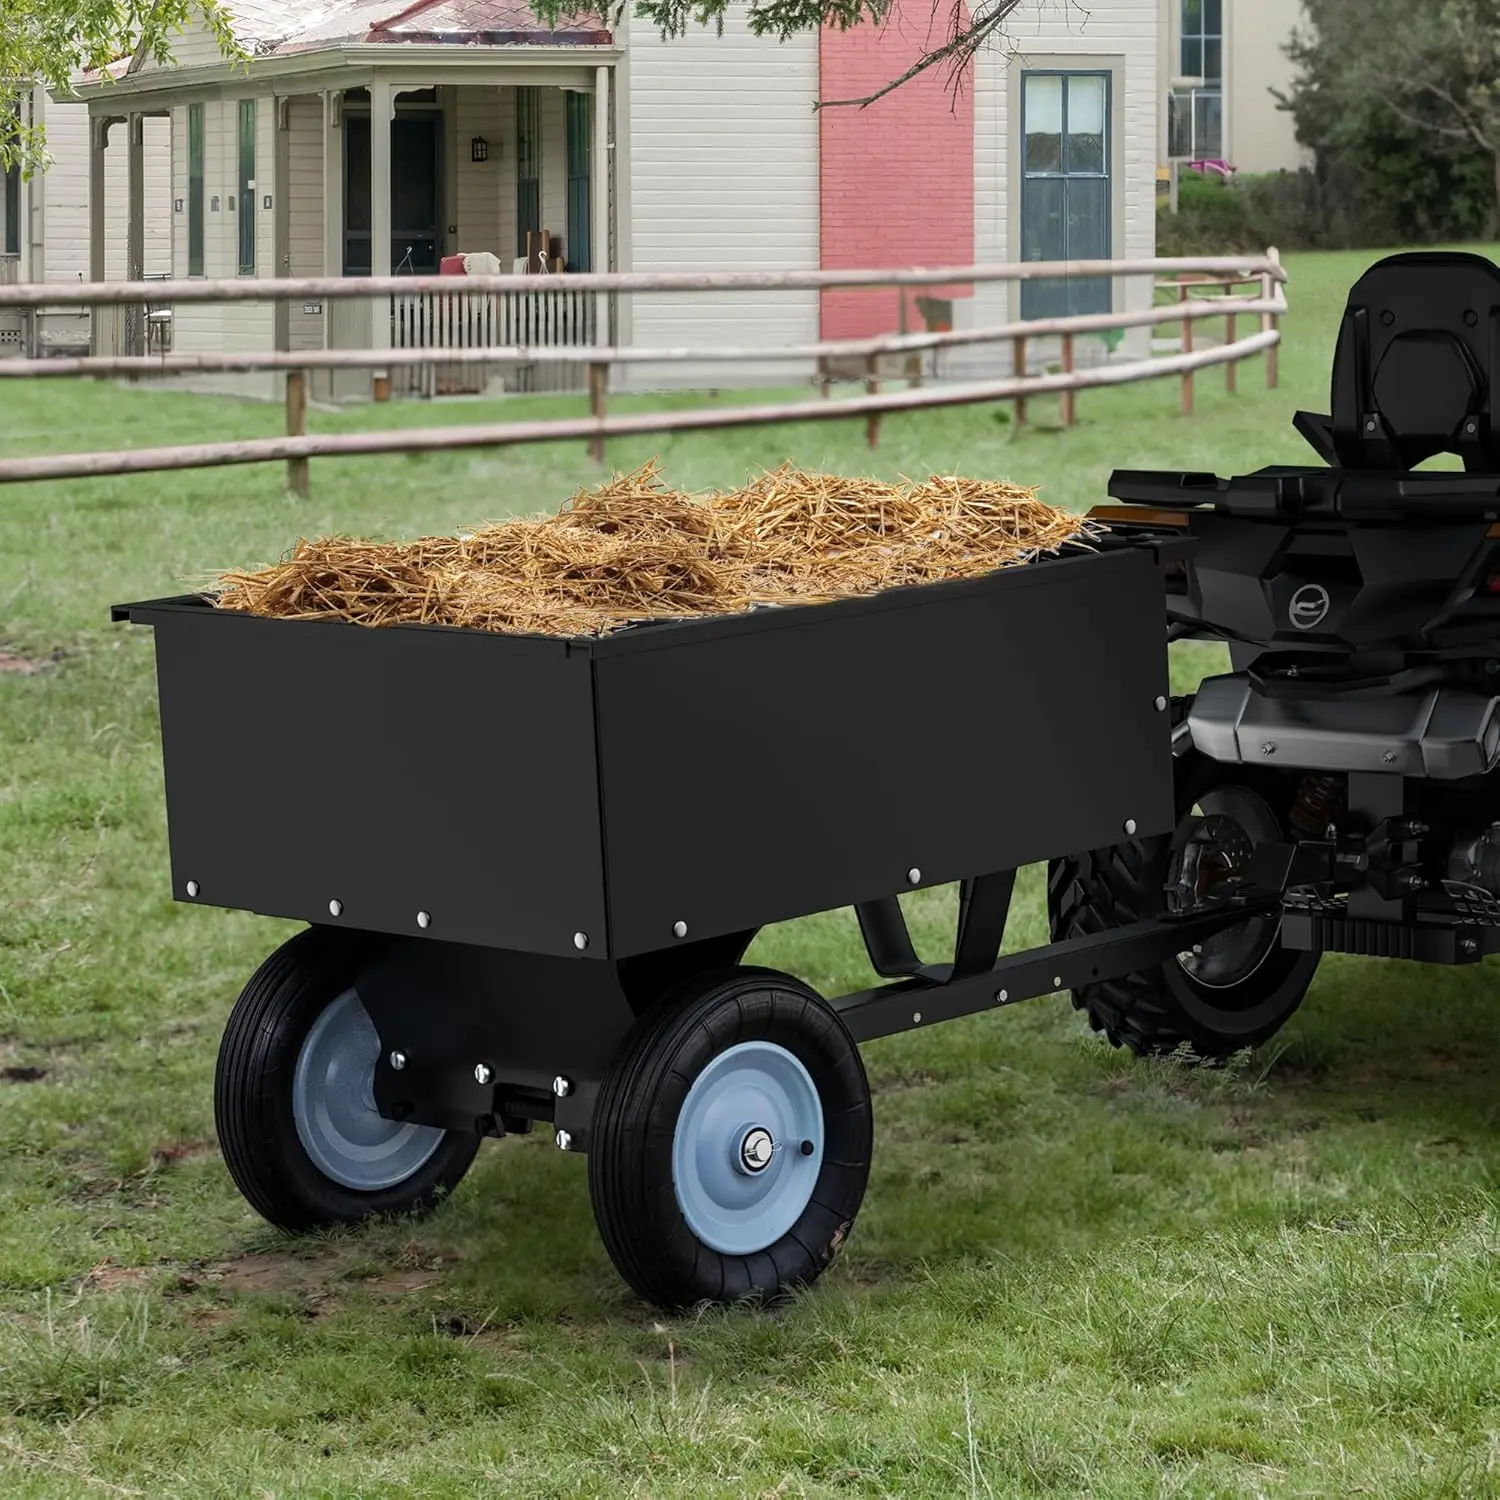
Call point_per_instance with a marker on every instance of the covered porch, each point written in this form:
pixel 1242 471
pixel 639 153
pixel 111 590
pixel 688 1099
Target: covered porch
pixel 393 153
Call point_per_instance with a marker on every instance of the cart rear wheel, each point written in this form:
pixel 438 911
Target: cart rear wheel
pixel 731 1142
pixel 1235 990
pixel 295 1106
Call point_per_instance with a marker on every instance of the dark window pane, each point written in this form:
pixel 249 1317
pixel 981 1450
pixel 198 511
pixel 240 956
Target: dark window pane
pixel 1044 122
pixel 1087 125
pixel 1192 18
pixel 1213 60
pixel 1179 124
pixel 1192 57
pixel 1088 219
pixel 357 260
pixel 1213 17
pixel 357 172
pixel 414 176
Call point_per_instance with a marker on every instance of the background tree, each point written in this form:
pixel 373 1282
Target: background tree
pixel 1401 104
pixel 46 42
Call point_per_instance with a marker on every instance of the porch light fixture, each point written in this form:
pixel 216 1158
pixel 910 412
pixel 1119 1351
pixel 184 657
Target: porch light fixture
pixel 479 149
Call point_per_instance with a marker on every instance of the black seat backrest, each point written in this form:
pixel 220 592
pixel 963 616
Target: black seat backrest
pixel 1415 366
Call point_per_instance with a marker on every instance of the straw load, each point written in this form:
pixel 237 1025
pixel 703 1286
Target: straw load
pixel 634 549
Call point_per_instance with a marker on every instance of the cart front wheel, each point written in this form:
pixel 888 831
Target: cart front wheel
pixel 295 1106
pixel 731 1142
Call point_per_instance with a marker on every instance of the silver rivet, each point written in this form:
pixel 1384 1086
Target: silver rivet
pixel 398 1061
pixel 562 1087
pixel 1268 748
pixel 1472 428
pixel 482 1073
pixel 335 907
pixel 1057 981
pixel 192 887
pixel 916 1018
pixel 580 941
pixel 1129 825
pixel 1002 997
pixel 913 875
pixel 1370 425
pixel 564 1140
pixel 1389 756
pixel 679 929
pixel 423 920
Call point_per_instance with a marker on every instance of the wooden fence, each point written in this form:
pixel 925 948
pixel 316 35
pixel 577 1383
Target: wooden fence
pixel 494 326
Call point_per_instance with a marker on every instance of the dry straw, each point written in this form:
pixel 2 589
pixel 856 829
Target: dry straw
pixel 634 550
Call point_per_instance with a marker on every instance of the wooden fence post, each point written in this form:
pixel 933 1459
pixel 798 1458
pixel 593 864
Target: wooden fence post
pixel 1187 348
pixel 1268 321
pixel 872 386
pixel 598 385
pixel 1069 409
pixel 296 426
pixel 1018 369
pixel 1230 383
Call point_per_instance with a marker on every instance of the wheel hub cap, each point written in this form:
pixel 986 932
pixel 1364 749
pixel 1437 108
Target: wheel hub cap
pixel 738 1189
pixel 756 1150
pixel 333 1105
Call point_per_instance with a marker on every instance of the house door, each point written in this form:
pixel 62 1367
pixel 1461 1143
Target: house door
pixel 1065 188
pixel 415 174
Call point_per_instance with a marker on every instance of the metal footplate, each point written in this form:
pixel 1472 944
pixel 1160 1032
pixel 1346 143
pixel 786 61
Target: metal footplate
pixel 1443 734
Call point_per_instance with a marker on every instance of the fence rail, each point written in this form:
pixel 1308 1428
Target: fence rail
pixel 431 350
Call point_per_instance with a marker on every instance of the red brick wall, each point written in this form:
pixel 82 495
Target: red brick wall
pixel 897 177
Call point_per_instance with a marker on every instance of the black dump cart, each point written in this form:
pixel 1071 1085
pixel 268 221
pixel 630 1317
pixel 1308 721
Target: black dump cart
pixel 531 868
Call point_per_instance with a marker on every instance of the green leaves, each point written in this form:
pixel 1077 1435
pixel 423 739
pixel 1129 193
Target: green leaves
pixel 47 43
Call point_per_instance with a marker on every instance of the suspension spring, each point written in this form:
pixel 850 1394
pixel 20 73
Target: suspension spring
pixel 1320 799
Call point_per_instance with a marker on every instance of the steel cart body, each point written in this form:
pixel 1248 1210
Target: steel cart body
pixel 531 869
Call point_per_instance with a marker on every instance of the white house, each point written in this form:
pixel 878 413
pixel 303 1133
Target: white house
pixel 366 137
pixel 44 220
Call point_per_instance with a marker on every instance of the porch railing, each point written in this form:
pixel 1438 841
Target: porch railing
pixel 547 317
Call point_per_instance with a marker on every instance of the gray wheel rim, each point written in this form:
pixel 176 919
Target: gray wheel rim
pixel 747 1148
pixel 333 1105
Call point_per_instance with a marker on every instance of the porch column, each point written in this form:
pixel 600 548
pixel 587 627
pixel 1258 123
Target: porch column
pixel 382 107
pixel 135 229
pixel 333 205
pixel 98 144
pixel 600 229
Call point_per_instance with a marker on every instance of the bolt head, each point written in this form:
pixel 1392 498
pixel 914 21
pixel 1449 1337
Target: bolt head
pixel 398 1061
pixel 1130 825
pixel 482 1073
pixel 679 929
pixel 916 1018
pixel 424 920
pixel 1002 996
pixel 564 1140
pixel 192 887
pixel 1388 757
pixel 1160 705
pixel 335 908
pixel 913 876
pixel 562 1087
pixel 1057 981
pixel 1269 748
pixel 580 941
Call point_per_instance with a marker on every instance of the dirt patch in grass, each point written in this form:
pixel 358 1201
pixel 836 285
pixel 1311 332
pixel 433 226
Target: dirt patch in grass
pixel 14 663
pixel 22 1075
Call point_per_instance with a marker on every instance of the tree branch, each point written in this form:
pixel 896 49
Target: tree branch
pixel 958 50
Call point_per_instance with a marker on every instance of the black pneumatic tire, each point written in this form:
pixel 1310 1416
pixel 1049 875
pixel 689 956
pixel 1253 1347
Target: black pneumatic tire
pixel 1163 1010
pixel 648 1100
pixel 254 1092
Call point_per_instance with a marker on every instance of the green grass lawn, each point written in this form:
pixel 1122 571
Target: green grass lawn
pixel 1074 1274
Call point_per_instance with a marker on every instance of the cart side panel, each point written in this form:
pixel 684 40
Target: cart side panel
pixel 754 776
pixel 395 771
